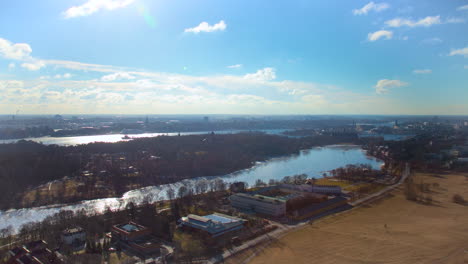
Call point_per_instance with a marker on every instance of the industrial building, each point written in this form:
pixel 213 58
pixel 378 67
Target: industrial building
pixel 136 238
pixel 73 236
pixel 316 209
pixel 294 201
pixel 36 252
pixel 213 225
pixel 322 189
pixel 259 204
pixel 129 231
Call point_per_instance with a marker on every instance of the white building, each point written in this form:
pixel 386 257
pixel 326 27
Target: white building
pixel 73 236
pixel 259 204
pixel 214 224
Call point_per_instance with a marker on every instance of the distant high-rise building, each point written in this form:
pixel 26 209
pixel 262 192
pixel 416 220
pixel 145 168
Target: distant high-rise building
pixel 206 118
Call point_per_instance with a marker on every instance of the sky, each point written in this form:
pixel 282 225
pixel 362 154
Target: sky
pixel 234 57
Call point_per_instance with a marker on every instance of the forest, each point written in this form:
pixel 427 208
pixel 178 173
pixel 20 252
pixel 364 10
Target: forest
pixel 119 167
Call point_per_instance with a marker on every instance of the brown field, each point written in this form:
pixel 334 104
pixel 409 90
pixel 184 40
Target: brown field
pixel 392 230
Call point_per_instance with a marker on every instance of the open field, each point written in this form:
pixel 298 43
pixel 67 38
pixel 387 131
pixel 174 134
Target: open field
pixel 392 230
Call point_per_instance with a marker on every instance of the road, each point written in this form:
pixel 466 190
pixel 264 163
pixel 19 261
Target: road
pixel 251 243
pixel 404 176
pixel 284 229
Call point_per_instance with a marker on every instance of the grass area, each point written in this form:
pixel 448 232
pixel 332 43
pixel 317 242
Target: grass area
pixel 390 230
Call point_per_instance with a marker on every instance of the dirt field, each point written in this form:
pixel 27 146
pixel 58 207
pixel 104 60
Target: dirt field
pixel 392 230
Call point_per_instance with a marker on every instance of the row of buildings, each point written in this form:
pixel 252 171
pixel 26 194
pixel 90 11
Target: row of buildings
pixel 34 252
pixel 294 201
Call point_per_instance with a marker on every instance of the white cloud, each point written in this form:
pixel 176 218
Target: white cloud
pixel 462 8
pixel 205 27
pixel 33 65
pixel 8 84
pixel 17 51
pixel 235 66
pixel 462 52
pixel 117 77
pixel 164 93
pixel 56 76
pixel 422 71
pixel 265 74
pixel 93 6
pixel 314 99
pixel 373 36
pixel 80 66
pixel 384 85
pixel 371 6
pixel 20 52
pixel 424 22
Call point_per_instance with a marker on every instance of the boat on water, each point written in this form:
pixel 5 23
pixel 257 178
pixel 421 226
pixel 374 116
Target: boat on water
pixel 126 137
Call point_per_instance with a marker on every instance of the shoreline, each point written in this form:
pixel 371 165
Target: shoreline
pixel 18 217
pixel 254 165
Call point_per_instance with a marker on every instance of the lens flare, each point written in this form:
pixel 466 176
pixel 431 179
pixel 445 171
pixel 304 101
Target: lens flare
pixel 149 19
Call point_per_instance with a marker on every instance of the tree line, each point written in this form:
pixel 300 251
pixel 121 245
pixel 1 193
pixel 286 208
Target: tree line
pixel 26 164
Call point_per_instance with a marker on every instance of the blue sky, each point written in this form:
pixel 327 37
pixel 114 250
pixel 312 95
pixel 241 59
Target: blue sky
pixel 238 57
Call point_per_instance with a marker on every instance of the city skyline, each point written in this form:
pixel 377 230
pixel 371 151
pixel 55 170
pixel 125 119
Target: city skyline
pixel 219 57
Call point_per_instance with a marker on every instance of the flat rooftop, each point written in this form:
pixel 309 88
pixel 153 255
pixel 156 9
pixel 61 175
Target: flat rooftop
pixel 222 218
pixel 214 223
pixel 262 198
pixel 130 227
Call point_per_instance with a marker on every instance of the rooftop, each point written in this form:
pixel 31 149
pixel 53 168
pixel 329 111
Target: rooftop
pixel 214 224
pixel 262 198
pixel 130 227
pixel 222 218
pixel 71 231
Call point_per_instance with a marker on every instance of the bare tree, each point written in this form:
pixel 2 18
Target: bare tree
pixel 182 191
pixel 170 193
pixel 201 186
pixel 259 183
pixel 6 235
pixel 220 185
